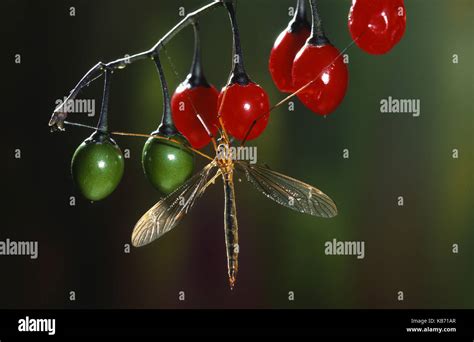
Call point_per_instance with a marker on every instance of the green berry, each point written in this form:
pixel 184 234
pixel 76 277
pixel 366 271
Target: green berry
pixel 166 164
pixel 97 166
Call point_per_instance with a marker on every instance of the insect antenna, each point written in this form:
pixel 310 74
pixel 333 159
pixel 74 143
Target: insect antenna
pixel 141 135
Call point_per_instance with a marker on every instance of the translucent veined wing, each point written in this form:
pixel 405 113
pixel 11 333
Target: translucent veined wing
pixel 288 191
pixel 167 213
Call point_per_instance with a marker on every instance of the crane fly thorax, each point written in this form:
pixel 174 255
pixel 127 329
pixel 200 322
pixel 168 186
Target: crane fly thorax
pixel 224 158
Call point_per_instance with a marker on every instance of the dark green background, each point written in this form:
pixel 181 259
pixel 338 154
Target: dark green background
pixel 81 248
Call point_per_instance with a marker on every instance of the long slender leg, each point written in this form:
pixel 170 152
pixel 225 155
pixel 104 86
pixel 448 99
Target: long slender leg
pixel 212 180
pixel 230 227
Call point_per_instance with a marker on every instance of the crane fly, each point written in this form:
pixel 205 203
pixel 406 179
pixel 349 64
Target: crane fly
pixel 284 190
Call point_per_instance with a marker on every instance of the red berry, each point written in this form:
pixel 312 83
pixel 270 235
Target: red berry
pixel 286 46
pixel 377 26
pixel 186 103
pixel 282 55
pixel 242 105
pixel 324 69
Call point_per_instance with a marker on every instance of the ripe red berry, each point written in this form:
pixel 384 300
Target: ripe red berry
pixel 240 105
pixel 377 26
pixel 319 73
pixel 195 96
pixel 324 69
pixel 187 101
pixel 286 46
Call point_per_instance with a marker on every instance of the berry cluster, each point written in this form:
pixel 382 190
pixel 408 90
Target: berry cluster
pixel 302 62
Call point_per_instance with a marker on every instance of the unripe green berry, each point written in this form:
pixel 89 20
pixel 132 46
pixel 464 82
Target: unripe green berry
pixel 97 166
pixel 167 164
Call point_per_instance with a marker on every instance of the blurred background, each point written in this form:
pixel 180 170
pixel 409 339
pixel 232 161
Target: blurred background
pixel 81 248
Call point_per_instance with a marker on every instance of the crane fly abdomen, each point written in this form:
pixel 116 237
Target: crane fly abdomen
pixel 230 227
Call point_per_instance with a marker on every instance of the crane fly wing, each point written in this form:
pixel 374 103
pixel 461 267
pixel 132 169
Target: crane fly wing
pixel 167 213
pixel 288 191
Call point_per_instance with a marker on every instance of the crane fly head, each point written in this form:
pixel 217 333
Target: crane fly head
pixel 224 151
pixel 224 157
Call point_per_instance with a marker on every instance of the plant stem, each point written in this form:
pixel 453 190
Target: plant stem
pixel 299 19
pixel 238 73
pixel 103 126
pixel 317 32
pixel 166 127
pixel 300 10
pixel 196 76
pixel 59 114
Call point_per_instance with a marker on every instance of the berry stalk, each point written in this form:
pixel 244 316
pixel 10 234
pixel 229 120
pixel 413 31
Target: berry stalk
pixel 197 77
pixel 239 75
pixel 317 31
pixel 166 126
pixel 299 19
pixel 103 125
